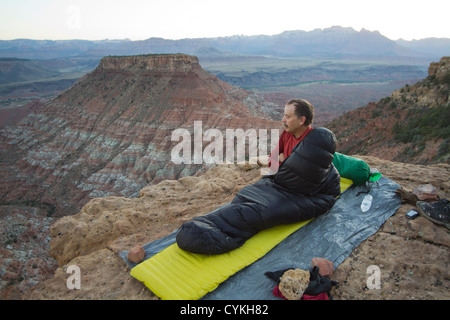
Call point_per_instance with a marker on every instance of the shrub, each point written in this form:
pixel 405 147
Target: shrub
pixel 424 123
pixel 376 113
pixel 446 78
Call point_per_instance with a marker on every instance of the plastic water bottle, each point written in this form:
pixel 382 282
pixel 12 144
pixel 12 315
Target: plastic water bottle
pixel 366 203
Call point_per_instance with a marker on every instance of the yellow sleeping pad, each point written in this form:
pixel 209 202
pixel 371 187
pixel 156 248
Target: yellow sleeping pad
pixel 174 274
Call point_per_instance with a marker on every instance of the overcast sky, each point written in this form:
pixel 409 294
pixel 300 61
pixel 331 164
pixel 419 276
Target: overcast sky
pixel 176 19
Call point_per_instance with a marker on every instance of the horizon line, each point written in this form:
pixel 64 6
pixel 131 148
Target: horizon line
pixel 216 37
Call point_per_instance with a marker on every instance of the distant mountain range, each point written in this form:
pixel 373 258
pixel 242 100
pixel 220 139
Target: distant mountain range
pixel 337 69
pixel 334 42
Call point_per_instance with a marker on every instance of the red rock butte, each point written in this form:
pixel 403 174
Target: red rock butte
pixel 109 134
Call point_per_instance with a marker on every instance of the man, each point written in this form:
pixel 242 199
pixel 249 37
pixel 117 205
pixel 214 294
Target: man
pixel 305 186
pixel 297 120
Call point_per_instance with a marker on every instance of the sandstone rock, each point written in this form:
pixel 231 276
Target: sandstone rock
pixel 325 266
pixel 160 209
pixel 293 283
pixel 136 254
pixel 426 192
pixel 439 69
pixel 104 276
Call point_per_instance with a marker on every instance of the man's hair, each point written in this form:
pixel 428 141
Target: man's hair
pixel 303 108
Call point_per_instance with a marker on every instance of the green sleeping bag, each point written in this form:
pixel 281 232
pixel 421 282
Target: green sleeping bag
pixel 354 169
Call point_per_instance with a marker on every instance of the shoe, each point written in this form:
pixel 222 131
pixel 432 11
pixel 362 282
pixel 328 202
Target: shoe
pixel 438 212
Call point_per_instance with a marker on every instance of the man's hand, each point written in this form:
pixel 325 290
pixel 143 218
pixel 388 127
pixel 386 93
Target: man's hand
pixel 281 157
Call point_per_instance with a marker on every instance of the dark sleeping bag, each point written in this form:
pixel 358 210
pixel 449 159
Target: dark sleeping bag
pixel 305 186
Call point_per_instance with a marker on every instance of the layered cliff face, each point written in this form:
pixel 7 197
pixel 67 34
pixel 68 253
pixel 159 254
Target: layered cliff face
pixel 110 134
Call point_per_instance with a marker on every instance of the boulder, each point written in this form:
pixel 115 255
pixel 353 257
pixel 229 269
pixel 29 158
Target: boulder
pixel 136 254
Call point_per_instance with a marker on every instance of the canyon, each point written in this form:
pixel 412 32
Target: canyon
pixel 88 174
pixel 109 134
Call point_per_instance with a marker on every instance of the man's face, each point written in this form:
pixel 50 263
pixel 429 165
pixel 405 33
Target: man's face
pixel 291 123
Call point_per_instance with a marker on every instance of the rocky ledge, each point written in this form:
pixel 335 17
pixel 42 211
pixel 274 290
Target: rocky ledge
pixel 413 255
